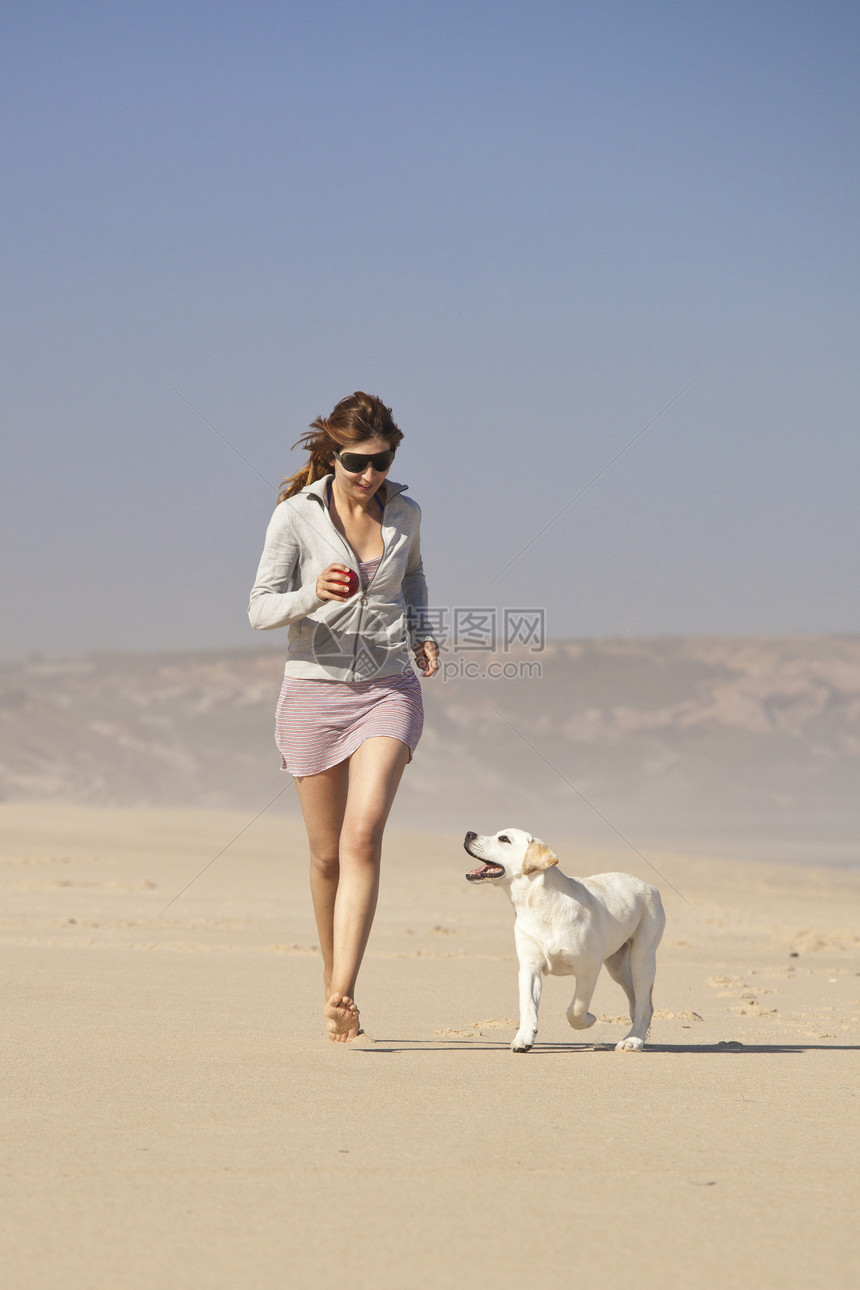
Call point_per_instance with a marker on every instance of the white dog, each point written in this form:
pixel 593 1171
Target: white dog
pixel 571 927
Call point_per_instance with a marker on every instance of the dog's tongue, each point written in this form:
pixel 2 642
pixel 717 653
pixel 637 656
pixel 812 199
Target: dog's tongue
pixel 485 871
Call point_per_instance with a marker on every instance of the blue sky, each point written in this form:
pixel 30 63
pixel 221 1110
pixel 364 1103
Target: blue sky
pixel 528 227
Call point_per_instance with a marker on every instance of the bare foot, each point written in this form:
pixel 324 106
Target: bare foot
pixel 341 1018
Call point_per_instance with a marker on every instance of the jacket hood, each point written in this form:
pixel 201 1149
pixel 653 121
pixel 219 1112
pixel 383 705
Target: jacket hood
pixel 319 489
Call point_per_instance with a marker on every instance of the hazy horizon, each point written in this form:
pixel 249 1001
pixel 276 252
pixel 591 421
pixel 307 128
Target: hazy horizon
pixel 547 235
pixel 274 643
pixel 753 739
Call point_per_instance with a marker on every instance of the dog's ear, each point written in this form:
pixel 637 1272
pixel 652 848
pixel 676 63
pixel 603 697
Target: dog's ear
pixel 537 857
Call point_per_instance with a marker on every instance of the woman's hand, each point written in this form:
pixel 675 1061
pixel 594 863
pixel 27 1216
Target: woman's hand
pixel 427 657
pixel 334 583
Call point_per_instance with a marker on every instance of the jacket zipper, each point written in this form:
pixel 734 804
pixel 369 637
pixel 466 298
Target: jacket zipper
pixel 364 590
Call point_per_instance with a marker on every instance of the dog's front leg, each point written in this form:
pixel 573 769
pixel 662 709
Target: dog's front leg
pixel 530 987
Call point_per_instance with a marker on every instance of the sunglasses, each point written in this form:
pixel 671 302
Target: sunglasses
pixel 355 462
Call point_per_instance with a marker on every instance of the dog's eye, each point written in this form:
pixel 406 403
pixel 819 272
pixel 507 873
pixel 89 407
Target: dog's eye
pixel 503 837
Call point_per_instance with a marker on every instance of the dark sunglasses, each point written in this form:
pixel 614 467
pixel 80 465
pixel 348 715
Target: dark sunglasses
pixel 355 462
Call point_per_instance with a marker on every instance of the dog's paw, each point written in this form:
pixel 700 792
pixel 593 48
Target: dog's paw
pixel 580 1021
pixel 522 1044
pixel 630 1045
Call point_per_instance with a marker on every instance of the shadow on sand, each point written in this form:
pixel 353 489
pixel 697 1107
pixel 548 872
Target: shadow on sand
pixel 730 1047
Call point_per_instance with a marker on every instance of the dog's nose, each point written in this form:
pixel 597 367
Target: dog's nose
pixel 470 836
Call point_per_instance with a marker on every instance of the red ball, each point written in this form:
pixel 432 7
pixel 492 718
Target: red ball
pixel 352 578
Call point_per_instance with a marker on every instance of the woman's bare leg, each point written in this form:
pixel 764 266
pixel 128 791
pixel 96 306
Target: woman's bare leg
pixel 345 874
pixel 323 801
pixel 374 776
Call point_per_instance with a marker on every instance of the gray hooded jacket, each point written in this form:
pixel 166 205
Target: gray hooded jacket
pixel 359 639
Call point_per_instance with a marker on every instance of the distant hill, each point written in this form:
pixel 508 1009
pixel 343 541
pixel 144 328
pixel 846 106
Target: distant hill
pixel 751 735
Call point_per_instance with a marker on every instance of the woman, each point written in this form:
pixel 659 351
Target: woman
pixel 342 568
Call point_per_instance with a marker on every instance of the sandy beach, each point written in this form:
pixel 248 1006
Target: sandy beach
pixel 176 1117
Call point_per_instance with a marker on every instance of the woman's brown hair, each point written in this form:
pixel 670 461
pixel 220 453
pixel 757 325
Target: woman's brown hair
pixel 358 417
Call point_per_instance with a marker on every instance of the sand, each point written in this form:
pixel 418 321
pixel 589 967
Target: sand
pixel 176 1117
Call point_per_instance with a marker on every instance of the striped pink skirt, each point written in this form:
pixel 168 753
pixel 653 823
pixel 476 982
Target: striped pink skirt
pixel 320 723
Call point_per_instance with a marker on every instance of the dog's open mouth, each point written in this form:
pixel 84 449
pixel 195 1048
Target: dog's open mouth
pixel 485 871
